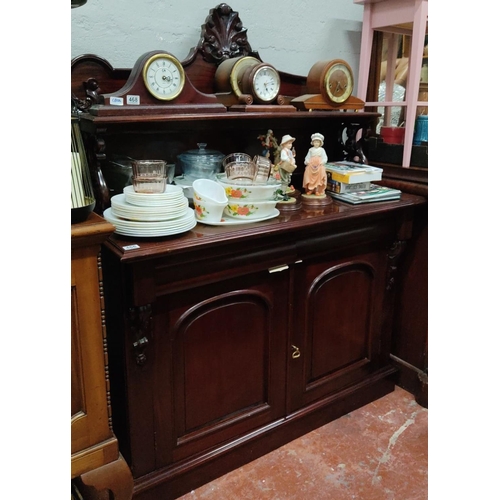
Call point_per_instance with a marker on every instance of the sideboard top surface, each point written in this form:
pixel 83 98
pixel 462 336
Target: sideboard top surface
pixel 289 224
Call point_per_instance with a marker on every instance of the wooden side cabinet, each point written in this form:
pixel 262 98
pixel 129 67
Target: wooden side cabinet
pixel 95 458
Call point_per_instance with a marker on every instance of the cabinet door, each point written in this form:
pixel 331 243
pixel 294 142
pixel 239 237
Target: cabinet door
pixel 337 334
pixel 219 367
pixel 89 412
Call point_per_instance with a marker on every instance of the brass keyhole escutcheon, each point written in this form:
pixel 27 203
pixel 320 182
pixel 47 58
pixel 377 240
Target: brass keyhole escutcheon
pixel 296 352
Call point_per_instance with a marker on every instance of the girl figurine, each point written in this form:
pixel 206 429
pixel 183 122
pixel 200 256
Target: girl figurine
pixel 315 173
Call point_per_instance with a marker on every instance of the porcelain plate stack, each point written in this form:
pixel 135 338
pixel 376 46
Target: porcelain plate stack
pixel 151 214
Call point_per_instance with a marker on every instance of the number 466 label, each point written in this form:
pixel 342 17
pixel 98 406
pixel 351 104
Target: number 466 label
pixel 133 99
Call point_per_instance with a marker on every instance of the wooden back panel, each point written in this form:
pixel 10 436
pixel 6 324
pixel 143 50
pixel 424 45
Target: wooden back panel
pixel 222 37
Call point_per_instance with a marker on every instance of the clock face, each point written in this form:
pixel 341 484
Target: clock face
pixel 339 82
pixel 163 76
pixel 266 83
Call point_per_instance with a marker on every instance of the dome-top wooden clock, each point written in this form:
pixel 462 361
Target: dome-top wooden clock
pixel 157 84
pixel 245 83
pixel 330 85
pixel 262 81
pixel 229 74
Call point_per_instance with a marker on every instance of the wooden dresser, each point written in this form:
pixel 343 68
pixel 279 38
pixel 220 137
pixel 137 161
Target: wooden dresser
pixel 95 458
pixel 226 342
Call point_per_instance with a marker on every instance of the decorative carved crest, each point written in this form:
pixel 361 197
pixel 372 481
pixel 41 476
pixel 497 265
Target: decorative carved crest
pixel 92 92
pixel 223 36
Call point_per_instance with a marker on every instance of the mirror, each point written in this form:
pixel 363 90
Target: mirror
pixel 392 74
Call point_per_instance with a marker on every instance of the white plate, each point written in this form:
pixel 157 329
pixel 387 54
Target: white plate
pixel 110 214
pixel 149 217
pixel 121 208
pixel 121 224
pixel 230 221
pixel 170 190
pixel 153 204
pixel 172 193
pixel 160 232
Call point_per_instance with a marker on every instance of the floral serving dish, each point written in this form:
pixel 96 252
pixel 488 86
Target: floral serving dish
pixel 243 209
pixel 248 191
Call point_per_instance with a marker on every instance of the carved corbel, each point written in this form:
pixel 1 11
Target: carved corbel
pixel 393 255
pixel 140 320
pixel 93 96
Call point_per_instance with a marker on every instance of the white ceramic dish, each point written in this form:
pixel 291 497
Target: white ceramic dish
pixel 121 208
pixel 151 229
pixel 230 221
pixel 170 190
pixel 209 199
pixel 249 191
pixel 171 194
pixel 245 209
pixel 111 215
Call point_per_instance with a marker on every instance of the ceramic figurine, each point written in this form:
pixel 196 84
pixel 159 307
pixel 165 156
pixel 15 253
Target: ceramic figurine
pixel 269 144
pixel 287 164
pixel 315 173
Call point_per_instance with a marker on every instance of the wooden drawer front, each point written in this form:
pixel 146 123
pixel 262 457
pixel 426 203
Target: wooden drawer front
pixel 338 325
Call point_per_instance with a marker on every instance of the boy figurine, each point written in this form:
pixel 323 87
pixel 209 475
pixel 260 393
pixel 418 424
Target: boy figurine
pixel 287 163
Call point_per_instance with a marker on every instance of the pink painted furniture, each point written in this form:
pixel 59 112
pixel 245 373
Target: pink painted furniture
pixel 407 17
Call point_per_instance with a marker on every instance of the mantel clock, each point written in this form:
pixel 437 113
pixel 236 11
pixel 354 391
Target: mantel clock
pixel 244 83
pixel 157 84
pixel 330 85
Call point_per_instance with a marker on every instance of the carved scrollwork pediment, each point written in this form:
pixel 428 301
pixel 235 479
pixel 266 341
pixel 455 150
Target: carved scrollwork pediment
pixel 223 36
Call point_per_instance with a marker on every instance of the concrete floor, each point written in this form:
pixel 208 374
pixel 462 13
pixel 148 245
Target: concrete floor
pixel 378 452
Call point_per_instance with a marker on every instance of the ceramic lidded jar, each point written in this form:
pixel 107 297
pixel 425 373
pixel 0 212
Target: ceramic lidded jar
pixel 200 163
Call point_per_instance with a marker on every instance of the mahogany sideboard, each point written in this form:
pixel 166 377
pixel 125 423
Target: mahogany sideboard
pixel 227 342
pixel 95 457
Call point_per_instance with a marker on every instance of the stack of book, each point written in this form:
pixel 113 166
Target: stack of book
pixel 353 182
